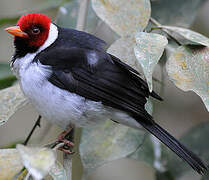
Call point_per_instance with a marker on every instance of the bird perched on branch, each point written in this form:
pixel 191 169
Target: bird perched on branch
pixel 70 79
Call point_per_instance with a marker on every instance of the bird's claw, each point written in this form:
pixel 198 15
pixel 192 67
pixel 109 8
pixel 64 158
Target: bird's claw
pixel 68 145
pixel 65 150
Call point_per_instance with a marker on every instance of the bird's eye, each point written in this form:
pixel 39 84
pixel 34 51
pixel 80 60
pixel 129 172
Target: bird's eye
pixel 35 30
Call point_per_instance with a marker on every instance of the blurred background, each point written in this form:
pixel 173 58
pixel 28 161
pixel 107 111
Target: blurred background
pixel 178 113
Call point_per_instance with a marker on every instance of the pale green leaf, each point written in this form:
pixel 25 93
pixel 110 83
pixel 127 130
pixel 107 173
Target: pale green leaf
pixel 188 69
pixel 176 12
pixel 123 49
pixel 187 36
pixel 58 172
pixel 149 106
pixel 107 142
pixel 145 152
pixel 37 160
pixel 10 163
pixel 148 50
pixel 124 17
pixel 11 99
pixel 110 141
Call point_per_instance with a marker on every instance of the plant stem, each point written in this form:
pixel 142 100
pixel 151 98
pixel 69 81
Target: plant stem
pixel 82 14
pixel 155 22
pixel 38 123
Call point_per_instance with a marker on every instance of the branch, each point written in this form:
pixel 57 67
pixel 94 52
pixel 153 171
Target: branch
pixel 37 124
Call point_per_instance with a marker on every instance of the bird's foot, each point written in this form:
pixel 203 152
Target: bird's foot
pixel 64 138
pixel 67 151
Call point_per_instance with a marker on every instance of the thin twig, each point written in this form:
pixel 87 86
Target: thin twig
pixel 38 123
pixel 155 22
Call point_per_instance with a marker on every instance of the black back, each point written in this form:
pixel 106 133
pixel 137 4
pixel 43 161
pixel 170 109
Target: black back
pixel 109 80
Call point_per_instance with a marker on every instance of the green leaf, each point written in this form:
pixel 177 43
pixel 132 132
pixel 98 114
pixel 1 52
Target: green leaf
pixel 10 163
pixel 148 50
pixel 124 17
pixel 11 20
pixel 123 48
pixel 111 141
pixel 6 82
pixel 11 99
pixel 107 142
pixel 196 140
pixel 188 69
pixel 187 36
pixel 164 175
pixel 58 172
pixel 145 152
pixel 176 12
pixel 153 152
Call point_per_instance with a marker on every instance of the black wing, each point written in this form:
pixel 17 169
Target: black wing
pixel 106 79
pixel 115 84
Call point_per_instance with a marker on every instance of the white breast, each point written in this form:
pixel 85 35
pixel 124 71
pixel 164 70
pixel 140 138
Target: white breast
pixel 57 105
pixel 60 106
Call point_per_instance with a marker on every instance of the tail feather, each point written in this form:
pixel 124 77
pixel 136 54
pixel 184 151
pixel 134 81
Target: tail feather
pixel 192 159
pixel 156 96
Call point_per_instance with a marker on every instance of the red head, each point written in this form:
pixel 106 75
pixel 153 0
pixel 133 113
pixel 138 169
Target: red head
pixel 33 29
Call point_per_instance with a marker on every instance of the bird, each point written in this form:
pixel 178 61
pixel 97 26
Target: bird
pixel 69 78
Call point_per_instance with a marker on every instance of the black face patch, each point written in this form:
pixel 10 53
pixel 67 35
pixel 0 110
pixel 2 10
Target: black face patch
pixel 22 48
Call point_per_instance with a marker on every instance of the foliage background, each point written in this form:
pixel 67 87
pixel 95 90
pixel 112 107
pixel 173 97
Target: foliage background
pixel 179 112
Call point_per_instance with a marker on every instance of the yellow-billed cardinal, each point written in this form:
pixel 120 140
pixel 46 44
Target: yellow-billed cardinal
pixel 70 79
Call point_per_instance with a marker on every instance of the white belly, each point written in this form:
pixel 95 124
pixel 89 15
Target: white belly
pixel 60 106
pixel 57 105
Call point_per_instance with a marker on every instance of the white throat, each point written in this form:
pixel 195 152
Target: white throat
pixel 53 34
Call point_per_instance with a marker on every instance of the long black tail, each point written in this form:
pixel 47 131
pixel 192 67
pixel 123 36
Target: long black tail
pixel 193 160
